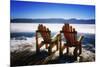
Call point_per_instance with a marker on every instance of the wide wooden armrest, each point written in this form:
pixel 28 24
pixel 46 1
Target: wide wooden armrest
pixel 80 38
pixel 56 38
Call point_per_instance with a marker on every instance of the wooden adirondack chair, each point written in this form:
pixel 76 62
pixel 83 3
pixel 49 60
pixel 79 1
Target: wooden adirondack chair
pixel 70 34
pixel 46 35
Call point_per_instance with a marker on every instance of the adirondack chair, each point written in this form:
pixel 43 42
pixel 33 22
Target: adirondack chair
pixel 47 41
pixel 70 34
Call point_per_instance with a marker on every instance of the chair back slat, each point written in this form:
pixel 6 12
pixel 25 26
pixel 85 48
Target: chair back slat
pixel 69 33
pixel 45 32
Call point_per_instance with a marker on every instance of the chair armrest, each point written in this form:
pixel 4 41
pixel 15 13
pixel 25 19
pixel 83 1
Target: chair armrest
pixel 56 38
pixel 80 38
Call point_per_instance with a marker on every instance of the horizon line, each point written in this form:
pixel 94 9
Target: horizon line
pixel 56 18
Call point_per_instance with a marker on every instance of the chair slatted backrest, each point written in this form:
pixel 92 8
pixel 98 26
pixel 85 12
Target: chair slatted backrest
pixel 45 32
pixel 69 33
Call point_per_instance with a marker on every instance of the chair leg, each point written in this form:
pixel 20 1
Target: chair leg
pixel 76 51
pixel 57 46
pixel 37 49
pixel 60 51
pixel 80 49
pixel 46 46
pixel 49 50
pixel 67 50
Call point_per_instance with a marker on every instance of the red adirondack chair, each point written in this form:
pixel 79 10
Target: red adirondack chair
pixel 70 35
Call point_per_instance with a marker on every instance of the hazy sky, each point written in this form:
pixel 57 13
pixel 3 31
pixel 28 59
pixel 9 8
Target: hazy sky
pixel 21 9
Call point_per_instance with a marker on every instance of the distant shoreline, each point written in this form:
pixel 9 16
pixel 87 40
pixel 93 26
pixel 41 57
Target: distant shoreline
pixel 54 20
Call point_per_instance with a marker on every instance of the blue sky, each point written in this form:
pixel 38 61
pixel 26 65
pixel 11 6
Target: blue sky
pixel 36 10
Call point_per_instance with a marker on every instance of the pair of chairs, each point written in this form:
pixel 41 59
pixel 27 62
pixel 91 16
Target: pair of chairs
pixel 70 35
